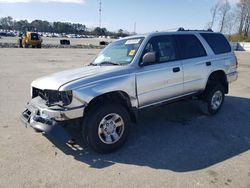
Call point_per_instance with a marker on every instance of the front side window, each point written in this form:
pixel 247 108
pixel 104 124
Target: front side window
pixel 190 46
pixel 164 47
pixel 166 50
pixel 121 52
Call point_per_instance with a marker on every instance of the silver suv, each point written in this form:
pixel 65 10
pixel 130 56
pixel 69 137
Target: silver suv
pixel 131 74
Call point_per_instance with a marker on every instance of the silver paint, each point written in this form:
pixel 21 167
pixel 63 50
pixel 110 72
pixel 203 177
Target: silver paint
pixel 146 85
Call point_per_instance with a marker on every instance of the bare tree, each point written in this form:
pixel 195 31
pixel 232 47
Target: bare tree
pixel 223 13
pixel 243 12
pixel 229 27
pixel 247 25
pixel 247 18
pixel 214 12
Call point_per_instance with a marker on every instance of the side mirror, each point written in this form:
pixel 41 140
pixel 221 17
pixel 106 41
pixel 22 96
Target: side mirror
pixel 148 58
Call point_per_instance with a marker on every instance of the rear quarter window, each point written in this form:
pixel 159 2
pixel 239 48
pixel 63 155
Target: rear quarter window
pixel 217 42
pixel 190 46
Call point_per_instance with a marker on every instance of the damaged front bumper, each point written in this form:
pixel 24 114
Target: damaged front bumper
pixel 43 118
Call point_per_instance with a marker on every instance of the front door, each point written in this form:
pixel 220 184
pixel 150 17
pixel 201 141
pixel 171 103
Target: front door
pixel 162 80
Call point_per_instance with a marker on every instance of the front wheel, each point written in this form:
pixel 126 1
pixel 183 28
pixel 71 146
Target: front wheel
pixel 213 99
pixel 106 127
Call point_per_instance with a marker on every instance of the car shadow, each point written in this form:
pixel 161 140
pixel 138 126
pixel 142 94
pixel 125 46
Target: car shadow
pixel 175 137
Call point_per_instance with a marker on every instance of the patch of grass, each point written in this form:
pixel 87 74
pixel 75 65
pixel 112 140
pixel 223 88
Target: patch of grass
pixel 239 38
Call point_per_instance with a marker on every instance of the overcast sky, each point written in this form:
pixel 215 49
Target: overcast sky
pixel 149 15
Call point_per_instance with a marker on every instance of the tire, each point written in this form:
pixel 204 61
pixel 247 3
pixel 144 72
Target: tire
pixel 101 134
pixel 39 46
pixel 213 99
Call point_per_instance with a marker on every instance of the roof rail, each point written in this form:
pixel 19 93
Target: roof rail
pixel 182 29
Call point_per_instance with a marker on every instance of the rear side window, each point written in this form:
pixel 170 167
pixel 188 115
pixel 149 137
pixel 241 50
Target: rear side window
pixel 217 42
pixel 190 46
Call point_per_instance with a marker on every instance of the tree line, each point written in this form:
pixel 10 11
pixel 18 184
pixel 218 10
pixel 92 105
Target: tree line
pixel 8 23
pixel 233 21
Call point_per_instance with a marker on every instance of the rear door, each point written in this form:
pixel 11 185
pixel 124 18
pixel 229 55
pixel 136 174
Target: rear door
pixel 196 64
pixel 162 80
pixel 223 56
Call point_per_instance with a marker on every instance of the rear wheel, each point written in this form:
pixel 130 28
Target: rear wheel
pixel 106 127
pixel 213 99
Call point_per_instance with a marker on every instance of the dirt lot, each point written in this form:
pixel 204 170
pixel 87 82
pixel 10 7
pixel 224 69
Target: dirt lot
pixel 173 146
pixel 56 41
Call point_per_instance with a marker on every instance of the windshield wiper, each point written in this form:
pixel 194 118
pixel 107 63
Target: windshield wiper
pixel 104 63
pixel 92 64
pixel 108 63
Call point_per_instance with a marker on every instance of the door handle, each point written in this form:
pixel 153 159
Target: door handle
pixel 208 63
pixel 176 69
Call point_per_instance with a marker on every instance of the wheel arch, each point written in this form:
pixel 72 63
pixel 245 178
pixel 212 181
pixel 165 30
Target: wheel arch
pixel 119 97
pixel 218 75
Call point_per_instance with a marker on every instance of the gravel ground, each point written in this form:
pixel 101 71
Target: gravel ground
pixel 170 146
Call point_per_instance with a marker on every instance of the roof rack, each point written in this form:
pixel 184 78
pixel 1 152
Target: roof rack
pixel 182 29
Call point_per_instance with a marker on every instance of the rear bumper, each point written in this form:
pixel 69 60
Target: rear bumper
pixel 231 77
pixel 42 118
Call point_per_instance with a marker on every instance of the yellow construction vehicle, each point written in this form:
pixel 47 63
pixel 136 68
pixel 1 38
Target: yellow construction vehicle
pixel 30 39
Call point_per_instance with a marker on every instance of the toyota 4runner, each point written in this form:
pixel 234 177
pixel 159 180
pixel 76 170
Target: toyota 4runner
pixel 131 74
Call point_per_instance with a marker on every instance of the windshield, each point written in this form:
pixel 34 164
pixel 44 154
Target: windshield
pixel 121 52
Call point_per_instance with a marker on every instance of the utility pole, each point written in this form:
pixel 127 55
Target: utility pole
pixel 135 28
pixel 100 13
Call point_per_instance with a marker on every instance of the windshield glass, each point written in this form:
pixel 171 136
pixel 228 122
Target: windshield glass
pixel 121 52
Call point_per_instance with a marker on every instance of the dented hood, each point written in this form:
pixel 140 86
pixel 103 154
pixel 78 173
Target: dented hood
pixel 55 81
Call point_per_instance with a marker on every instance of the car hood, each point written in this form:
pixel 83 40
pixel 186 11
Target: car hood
pixel 55 81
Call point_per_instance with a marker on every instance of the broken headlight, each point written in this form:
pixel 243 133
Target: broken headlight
pixel 53 97
pixel 61 98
